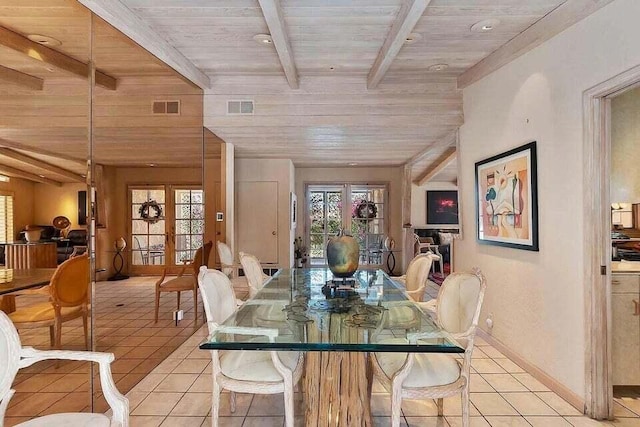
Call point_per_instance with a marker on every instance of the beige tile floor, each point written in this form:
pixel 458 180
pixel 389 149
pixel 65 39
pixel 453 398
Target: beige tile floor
pixel 177 393
pixel 124 325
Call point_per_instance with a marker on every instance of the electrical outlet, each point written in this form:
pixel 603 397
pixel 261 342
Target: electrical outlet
pixel 489 321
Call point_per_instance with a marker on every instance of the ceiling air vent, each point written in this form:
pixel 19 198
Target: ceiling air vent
pixel 240 107
pixel 166 107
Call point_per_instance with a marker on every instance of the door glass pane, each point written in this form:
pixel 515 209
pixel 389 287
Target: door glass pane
pixel 367 222
pixel 148 236
pixel 189 224
pixel 325 211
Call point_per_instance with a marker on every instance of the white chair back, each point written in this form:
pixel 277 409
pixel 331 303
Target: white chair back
pixel 9 360
pixel 253 271
pixel 418 271
pixel 218 297
pixel 226 257
pixel 460 301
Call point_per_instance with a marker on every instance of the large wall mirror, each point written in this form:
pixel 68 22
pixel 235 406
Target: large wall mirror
pixel 44 144
pixel 148 208
pixel 101 178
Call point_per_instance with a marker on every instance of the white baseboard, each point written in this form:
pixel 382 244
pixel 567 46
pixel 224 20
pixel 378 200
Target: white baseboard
pixel 561 390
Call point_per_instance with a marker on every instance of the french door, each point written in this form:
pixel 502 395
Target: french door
pixel 166 227
pixel 360 209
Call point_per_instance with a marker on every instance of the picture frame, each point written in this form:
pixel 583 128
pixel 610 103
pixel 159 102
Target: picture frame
pixel 507 199
pixel 442 209
pixel 293 210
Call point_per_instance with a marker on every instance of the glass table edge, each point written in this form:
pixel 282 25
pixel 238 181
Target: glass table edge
pixel 350 348
pixel 323 347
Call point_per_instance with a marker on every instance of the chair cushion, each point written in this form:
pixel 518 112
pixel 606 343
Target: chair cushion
pixel 429 369
pixel 255 365
pixel 403 315
pixel 186 283
pixel 41 312
pixel 67 420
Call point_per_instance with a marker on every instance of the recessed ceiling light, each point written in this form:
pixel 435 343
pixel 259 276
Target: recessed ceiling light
pixel 438 67
pixel 412 38
pixel 41 176
pixel 485 25
pixel 263 38
pixel 49 69
pixel 44 40
pixel 152 165
pixel 353 164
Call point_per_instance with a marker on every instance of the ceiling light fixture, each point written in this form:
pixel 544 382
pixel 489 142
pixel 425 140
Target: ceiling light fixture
pixel 353 164
pixel 44 40
pixel 41 176
pixel 263 38
pixel 49 69
pixel 438 67
pixel 412 38
pixel 152 165
pixel 485 25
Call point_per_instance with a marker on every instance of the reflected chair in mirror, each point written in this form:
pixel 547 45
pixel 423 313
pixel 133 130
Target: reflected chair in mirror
pixel 68 293
pixel 244 371
pixel 253 272
pixel 433 375
pixel 13 357
pixel 184 282
pixel 230 269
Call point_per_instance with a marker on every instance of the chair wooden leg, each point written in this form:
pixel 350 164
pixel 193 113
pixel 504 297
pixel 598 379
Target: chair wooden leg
pixel 465 406
pixel 57 343
pixel 52 336
pixel 288 403
pixel 85 324
pixel 178 300
pixel 232 401
pixel 440 405
pixel 157 305
pixel 396 405
pixel 195 304
pixel 215 402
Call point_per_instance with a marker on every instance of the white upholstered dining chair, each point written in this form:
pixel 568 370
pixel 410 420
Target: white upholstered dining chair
pixel 230 269
pixel 13 357
pixel 245 371
pixel 253 272
pixel 415 280
pixel 432 375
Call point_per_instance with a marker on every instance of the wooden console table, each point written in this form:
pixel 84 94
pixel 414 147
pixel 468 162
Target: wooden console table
pixel 24 256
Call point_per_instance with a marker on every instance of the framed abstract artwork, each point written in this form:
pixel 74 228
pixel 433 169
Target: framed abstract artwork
pixel 442 208
pixel 507 199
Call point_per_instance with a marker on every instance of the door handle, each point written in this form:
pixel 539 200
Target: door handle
pixel 273 233
pixel 636 309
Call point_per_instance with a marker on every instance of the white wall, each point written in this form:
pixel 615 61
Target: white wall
pixel 625 147
pixel 419 201
pixel 537 299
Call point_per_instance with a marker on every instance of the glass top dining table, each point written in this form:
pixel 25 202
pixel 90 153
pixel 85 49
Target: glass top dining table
pixel 305 310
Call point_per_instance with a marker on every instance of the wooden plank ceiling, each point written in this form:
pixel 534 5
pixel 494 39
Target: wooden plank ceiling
pixel 332 118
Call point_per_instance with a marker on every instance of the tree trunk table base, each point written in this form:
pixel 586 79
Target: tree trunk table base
pixel 337 384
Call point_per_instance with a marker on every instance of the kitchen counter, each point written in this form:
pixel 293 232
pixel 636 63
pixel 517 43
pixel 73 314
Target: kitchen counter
pixel 620 267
